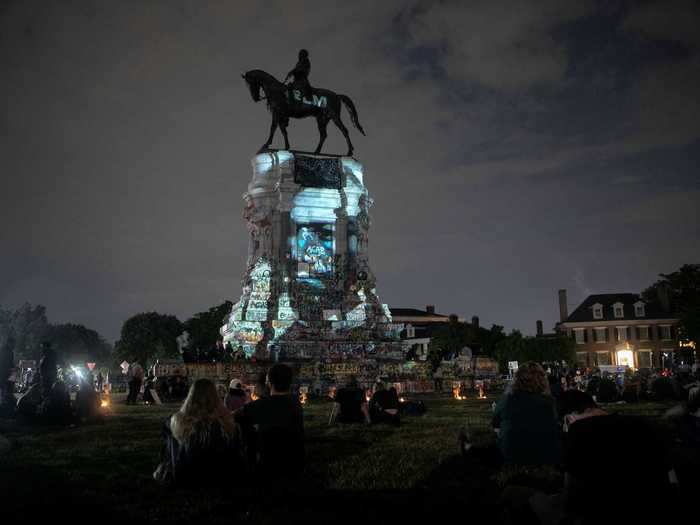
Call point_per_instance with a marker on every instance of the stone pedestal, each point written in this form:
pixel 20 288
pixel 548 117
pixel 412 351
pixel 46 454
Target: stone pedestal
pixel 308 290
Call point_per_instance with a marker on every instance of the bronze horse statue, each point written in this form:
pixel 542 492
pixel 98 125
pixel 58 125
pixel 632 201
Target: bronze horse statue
pixel 284 102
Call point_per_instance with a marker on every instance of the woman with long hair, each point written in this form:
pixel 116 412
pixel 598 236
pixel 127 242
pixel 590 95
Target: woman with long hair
pixel 526 420
pixel 202 445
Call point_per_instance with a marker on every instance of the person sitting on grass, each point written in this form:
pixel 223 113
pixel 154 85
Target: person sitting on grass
pixel 202 445
pixel 575 405
pixel 273 429
pixel 236 397
pixel 87 402
pixel 526 420
pixel 350 404
pixel 384 405
pixel 56 409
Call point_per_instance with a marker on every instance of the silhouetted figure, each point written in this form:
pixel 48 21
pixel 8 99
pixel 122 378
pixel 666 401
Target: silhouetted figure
pixel 136 375
pixel 351 405
pixel 236 397
pixel 47 368
pixel 7 382
pixel 56 408
pixel 526 420
pixel 87 402
pixel 300 75
pixel 202 446
pixel 384 405
pixel 273 429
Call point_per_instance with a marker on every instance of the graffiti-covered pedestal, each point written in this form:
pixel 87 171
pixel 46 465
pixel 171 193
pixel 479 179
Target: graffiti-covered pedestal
pixel 309 293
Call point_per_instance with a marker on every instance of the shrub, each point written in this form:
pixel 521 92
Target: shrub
pixel 661 389
pixel 607 391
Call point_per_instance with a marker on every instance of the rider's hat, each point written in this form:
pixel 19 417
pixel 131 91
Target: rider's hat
pixel 303 53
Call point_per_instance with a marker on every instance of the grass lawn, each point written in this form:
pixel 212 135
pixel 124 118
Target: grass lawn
pixel 354 472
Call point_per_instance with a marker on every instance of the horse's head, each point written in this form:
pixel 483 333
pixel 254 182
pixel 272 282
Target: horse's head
pixel 254 84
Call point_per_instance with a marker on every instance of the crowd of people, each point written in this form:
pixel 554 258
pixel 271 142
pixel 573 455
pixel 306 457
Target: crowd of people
pixel 219 353
pixel 259 433
pixel 626 385
pixel 599 452
pixel 46 397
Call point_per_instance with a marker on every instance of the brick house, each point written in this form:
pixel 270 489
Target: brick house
pixel 620 329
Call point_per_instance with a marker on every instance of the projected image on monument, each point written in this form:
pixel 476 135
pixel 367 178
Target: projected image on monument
pixel 314 252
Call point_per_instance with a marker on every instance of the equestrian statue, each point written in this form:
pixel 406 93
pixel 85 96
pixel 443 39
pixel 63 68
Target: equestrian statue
pixel 299 100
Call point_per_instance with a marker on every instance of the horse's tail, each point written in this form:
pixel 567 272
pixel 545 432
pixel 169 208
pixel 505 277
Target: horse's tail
pixel 353 112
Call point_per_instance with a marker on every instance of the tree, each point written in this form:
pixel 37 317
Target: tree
pixel 28 326
pixel 203 327
pixel 683 290
pixel 75 341
pixel 450 339
pixel 515 347
pixel 147 337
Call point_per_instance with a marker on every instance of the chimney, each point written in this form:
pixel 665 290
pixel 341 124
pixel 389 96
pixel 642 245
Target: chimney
pixel 563 309
pixel 540 332
pixel 430 309
pixel 662 294
pixel 475 321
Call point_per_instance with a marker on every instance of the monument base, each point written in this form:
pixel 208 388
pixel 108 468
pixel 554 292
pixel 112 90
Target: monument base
pixel 309 294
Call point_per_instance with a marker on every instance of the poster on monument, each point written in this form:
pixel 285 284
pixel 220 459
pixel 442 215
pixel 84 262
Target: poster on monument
pixel 314 252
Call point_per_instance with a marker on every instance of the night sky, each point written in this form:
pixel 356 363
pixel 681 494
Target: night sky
pixel 510 150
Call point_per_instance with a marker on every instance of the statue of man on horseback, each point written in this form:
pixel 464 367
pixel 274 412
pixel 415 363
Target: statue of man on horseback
pixel 300 100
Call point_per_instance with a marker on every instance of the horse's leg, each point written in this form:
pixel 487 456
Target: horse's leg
pixel 322 123
pixel 283 129
pixel 273 128
pixel 344 130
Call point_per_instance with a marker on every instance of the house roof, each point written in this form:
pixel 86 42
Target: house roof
pixel 584 312
pixel 413 312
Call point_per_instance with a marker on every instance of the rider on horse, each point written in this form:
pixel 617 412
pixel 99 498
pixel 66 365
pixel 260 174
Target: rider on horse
pixel 301 76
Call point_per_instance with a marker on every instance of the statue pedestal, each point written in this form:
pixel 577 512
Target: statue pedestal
pixel 308 290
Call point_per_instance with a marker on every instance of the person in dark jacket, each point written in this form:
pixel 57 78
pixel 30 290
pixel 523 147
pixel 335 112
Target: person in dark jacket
pixel 526 420
pixel 273 427
pixel 47 368
pixel 350 404
pixel 384 405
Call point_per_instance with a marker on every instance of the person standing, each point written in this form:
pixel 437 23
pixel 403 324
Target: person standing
pixel 47 369
pixel 100 381
pixel 7 372
pixel 136 374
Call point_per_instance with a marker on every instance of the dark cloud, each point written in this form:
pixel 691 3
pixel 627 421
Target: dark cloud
pixel 513 148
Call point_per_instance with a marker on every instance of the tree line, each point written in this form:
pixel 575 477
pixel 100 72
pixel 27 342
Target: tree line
pixel 149 336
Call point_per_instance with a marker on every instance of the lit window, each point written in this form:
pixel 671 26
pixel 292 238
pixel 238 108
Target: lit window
pixel 644 358
pixel 622 333
pixel 603 358
pixel 601 335
pixel 643 333
pixel 619 310
pixel 666 333
pixel 580 336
